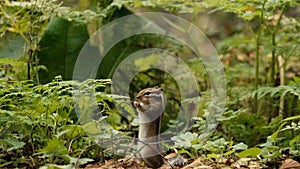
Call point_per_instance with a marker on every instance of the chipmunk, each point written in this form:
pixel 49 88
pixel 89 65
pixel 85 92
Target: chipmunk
pixel 150 105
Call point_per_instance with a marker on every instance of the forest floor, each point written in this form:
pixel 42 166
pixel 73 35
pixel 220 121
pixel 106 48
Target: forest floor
pixel 198 163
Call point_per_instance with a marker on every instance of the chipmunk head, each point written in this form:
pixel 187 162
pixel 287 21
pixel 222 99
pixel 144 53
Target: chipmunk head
pixel 148 94
pixel 149 97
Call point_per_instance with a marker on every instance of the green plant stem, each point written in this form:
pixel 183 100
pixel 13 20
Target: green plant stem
pixel 14 25
pixel 257 55
pixel 273 64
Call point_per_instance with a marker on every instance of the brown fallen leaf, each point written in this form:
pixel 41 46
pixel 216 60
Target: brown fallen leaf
pixel 197 162
pixel 165 166
pixel 171 155
pixel 290 164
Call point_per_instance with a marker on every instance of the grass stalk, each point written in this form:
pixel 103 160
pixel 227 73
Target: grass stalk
pixel 261 20
pixel 274 44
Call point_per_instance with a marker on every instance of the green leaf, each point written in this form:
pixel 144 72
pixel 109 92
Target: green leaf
pixel 186 140
pixel 59 48
pixel 292 118
pixel 61 133
pixel 74 131
pixel 248 15
pixel 249 152
pixel 274 136
pixel 182 151
pixel 117 3
pixel 126 106
pixel 294 140
pixel 14 144
pixel 270 152
pixel 56 166
pixel 215 156
pixel 229 152
pixel 54 147
pixel 81 161
pixel 240 146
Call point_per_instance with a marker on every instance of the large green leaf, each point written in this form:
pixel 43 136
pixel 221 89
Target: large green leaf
pixel 119 51
pixel 59 48
pixel 249 152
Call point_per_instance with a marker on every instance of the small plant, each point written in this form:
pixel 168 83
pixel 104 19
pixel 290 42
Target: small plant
pixel 283 141
pixel 192 145
pixel 40 126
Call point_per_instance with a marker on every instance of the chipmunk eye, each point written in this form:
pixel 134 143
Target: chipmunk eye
pixel 147 93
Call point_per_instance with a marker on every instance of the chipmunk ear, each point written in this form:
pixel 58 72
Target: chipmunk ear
pixel 160 88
